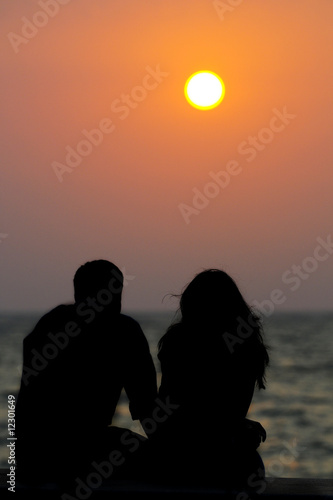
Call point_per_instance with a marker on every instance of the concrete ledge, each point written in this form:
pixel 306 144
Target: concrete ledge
pixel 288 488
pixel 272 489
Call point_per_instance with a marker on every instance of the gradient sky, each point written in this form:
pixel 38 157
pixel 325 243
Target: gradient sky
pixel 122 202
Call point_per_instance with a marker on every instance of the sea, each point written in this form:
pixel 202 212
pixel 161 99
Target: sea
pixel 296 409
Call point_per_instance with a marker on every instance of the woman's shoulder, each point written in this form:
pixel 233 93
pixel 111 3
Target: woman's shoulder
pixel 173 337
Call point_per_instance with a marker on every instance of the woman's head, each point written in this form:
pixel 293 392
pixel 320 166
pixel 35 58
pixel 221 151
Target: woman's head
pixel 212 304
pixel 212 296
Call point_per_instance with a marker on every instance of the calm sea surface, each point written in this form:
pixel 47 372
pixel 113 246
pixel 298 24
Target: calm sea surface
pixel 296 408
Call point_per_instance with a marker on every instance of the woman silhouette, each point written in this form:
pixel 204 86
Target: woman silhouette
pixel 211 361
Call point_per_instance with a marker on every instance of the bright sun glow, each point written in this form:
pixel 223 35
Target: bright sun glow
pixel 204 90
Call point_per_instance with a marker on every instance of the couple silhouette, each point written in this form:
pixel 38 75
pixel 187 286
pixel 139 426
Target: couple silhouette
pixel 79 357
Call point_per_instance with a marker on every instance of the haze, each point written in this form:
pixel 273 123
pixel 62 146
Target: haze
pixel 165 190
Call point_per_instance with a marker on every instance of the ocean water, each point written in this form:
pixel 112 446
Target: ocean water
pixel 296 408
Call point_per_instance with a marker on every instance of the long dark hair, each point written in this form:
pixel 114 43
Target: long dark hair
pixel 212 301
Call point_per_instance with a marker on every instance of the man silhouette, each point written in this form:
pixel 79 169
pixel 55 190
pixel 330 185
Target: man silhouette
pixel 76 362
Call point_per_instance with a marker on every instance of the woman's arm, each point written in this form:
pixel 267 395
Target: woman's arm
pixel 251 433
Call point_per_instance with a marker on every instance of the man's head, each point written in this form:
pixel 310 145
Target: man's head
pixel 100 280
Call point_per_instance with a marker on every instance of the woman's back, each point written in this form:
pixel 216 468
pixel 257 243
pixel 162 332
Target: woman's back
pixel 205 378
pixel 210 368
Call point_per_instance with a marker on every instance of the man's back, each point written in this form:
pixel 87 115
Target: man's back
pixel 73 374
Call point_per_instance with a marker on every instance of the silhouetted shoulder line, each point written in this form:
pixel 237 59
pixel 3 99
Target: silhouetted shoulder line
pixel 129 320
pixel 57 312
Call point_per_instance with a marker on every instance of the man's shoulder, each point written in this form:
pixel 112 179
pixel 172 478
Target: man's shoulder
pixel 128 322
pixel 52 319
pixel 58 313
pixel 131 330
pixel 60 310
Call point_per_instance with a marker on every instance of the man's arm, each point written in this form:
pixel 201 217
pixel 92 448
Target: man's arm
pixel 139 373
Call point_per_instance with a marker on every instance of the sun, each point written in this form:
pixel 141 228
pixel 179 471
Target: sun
pixel 204 90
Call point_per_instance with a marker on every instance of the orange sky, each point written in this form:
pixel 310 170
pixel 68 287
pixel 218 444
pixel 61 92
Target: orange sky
pixel 122 202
